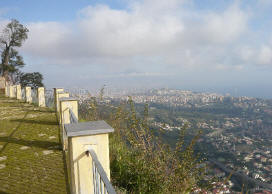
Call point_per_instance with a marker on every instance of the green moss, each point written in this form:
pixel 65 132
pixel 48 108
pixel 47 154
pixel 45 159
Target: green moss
pixel 26 131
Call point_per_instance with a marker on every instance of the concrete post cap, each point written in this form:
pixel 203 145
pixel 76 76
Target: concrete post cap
pixel 88 128
pixel 68 99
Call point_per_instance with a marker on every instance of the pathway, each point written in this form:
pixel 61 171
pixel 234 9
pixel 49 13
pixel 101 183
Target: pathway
pixel 31 159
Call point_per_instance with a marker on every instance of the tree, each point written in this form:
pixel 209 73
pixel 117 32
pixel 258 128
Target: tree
pixel 15 62
pixel 13 35
pixel 33 80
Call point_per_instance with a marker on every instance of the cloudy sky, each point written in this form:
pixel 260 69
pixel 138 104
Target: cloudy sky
pixel 202 45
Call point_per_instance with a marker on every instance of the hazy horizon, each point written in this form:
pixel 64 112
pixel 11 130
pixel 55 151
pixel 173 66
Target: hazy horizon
pixel 262 93
pixel 199 45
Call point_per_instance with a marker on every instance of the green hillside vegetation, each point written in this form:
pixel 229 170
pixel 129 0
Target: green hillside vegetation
pixel 140 161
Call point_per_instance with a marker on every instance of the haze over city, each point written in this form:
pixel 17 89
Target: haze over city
pixel 210 45
pixel 135 96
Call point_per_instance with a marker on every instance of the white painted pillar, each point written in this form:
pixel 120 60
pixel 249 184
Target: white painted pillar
pixel 56 91
pixel 28 97
pixel 82 137
pixel 41 98
pixel 12 91
pixel 59 96
pixel 7 91
pixel 18 92
pixel 67 105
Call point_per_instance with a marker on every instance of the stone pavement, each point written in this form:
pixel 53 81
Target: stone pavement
pixel 31 159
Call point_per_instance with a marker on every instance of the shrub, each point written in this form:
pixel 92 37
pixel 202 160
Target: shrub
pixel 140 161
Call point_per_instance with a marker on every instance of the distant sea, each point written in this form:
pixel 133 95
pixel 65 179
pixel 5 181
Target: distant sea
pixel 254 91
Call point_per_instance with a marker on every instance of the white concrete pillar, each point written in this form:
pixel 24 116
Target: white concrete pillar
pixel 12 91
pixel 66 106
pixel 7 91
pixel 82 137
pixel 41 98
pixel 18 92
pixel 59 96
pixel 56 91
pixel 28 97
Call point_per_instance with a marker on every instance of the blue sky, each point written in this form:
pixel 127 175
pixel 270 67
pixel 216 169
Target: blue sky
pixel 50 10
pixel 203 45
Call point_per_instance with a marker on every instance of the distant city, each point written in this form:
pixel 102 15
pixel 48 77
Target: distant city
pixel 259 92
pixel 236 135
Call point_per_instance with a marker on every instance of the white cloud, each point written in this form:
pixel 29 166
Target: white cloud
pixel 255 55
pixel 158 39
pixel 167 30
pixel 265 56
pixel 124 33
pixel 227 26
pixel 47 38
pixel 246 53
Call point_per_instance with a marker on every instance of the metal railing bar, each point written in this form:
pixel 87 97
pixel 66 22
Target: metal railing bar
pixel 95 172
pixel 102 186
pixel 101 172
pixel 73 118
pixel 97 181
pixel 94 177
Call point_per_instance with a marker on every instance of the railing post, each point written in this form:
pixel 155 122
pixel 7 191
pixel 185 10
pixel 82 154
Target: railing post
pixel 18 92
pixel 41 98
pixel 56 91
pixel 59 96
pixel 12 91
pixel 3 83
pixel 56 100
pixel 82 137
pixel 67 105
pixel 7 90
pixel 28 97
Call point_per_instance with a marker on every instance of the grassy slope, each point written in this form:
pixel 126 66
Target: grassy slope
pixel 31 160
